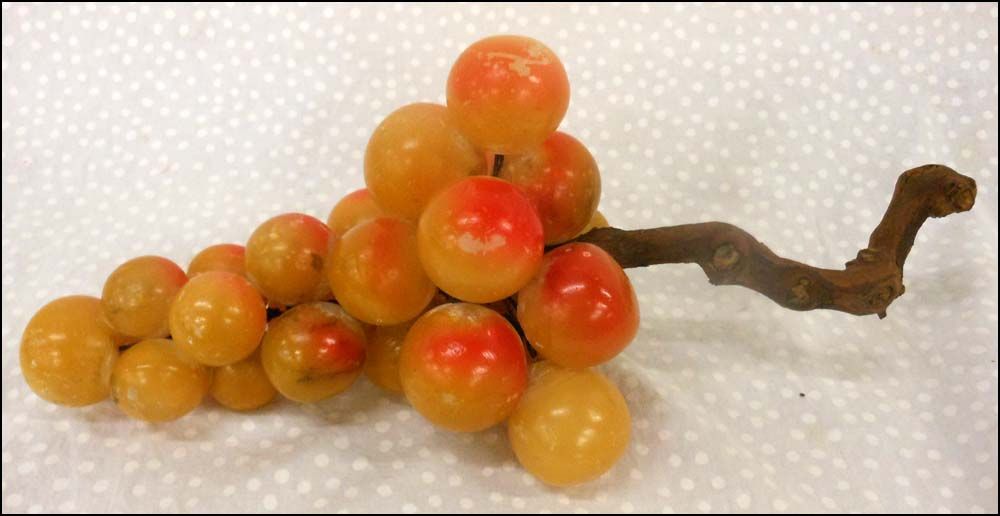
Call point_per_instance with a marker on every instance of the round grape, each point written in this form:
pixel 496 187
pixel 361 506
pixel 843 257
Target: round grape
pixel 376 275
pixel 508 93
pixel 137 296
pixel 313 351
pixel 413 154
pixel 218 318
pixel 221 257
pixel 463 367
pixel 68 352
pixel 242 385
pixel 285 259
pixel 570 426
pixel 153 381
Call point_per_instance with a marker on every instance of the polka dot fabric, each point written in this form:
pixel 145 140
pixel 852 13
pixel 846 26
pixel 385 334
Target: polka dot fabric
pixel 132 130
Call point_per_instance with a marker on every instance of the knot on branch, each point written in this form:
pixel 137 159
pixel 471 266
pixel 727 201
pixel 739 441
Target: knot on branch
pixel 868 284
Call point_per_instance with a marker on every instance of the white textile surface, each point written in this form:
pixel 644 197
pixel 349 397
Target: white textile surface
pixel 161 129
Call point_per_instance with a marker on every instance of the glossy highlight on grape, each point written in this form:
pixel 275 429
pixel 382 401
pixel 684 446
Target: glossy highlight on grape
pixel 218 318
pixel 463 367
pixel 137 296
pixel 580 310
pixel 508 93
pixel 286 257
pixel 480 240
pixel 570 426
pixel 313 351
pixel 67 352
pixel 562 180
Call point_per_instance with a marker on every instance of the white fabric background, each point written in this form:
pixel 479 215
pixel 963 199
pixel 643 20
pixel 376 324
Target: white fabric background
pixel 162 129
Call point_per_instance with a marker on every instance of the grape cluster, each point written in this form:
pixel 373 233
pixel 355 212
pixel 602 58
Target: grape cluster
pixel 434 281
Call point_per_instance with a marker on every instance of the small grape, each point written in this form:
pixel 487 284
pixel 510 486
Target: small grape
pixel 218 318
pixel 580 310
pixel 562 180
pixel 155 382
pixel 221 257
pixel 570 426
pixel 597 221
pixel 137 296
pixel 353 209
pixel 313 351
pixel 68 352
pixel 376 275
pixel 480 240
pixel 415 153
pixel 508 93
pixel 463 367
pixel 285 259
pixel 242 385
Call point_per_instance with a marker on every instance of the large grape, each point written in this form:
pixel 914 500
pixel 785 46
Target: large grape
pixel 376 275
pixel 313 351
pixel 580 310
pixel 561 179
pixel 285 259
pixel 570 426
pixel 218 318
pixel 463 367
pixel 137 296
pixel 68 352
pixel 413 154
pixel 153 381
pixel 480 240
pixel 508 93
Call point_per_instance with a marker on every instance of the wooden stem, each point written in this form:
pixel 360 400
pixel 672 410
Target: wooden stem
pixel 868 283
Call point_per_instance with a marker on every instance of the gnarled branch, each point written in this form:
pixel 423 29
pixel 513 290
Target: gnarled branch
pixel 868 283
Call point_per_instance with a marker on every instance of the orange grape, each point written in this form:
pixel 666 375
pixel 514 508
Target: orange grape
pixel 376 275
pixel 413 154
pixel 580 310
pixel 285 259
pixel 480 240
pixel 562 180
pixel 218 318
pixel 67 352
pixel 313 351
pixel 153 381
pixel 508 93
pixel 137 296
pixel 382 363
pixel 353 209
pixel 221 257
pixel 463 367
pixel 570 426
pixel 242 385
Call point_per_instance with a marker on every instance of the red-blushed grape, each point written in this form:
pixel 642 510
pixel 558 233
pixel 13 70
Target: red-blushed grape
pixel 68 352
pixel 463 367
pixel 155 382
pixel 220 257
pixel 597 221
pixel 376 275
pixel 218 318
pixel 353 209
pixel 480 240
pixel 508 93
pixel 285 259
pixel 242 385
pixel 561 179
pixel 313 351
pixel 137 296
pixel 413 154
pixel 580 310
pixel 570 426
